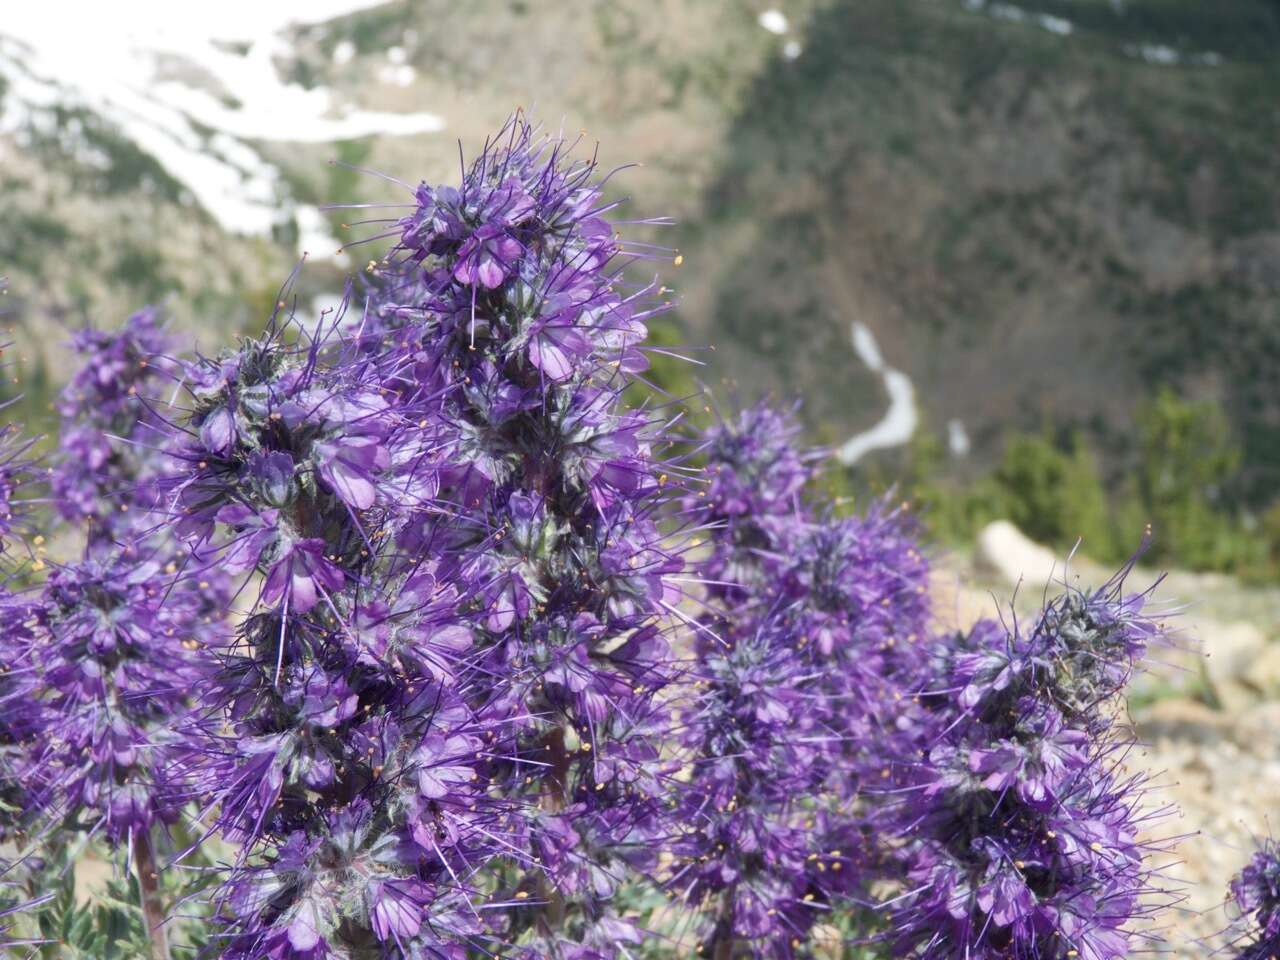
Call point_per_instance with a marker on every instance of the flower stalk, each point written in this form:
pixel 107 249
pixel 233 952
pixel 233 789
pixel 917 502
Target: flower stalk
pixel 154 912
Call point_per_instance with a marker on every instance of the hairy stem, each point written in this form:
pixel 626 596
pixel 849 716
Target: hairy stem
pixel 153 913
pixel 557 785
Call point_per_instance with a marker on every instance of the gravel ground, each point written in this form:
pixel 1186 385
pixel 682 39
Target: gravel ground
pixel 1222 772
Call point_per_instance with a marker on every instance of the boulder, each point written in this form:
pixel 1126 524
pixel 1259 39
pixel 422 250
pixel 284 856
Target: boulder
pixel 1006 552
pixel 1234 697
pixel 1230 649
pixel 1257 731
pixel 1262 672
pixel 1179 719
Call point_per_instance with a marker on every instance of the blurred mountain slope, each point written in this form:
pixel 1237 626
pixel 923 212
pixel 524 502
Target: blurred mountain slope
pixel 1042 211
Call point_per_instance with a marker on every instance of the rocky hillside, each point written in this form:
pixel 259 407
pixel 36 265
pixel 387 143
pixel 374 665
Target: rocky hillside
pixel 145 159
pixel 1040 210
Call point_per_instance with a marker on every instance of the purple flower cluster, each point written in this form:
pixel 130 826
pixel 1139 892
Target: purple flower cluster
pixel 112 428
pixel 446 690
pixel 106 656
pixel 978 776
pixel 509 298
pixel 17 676
pixel 799 668
pixel 350 764
pixel 114 645
pixel 16 471
pixel 1019 833
pixel 855 589
pixel 1256 894
pixel 755 477
pixel 759 742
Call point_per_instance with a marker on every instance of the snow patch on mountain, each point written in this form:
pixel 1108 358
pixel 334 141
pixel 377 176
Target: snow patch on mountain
pixel 1007 11
pixel 899 423
pixel 194 91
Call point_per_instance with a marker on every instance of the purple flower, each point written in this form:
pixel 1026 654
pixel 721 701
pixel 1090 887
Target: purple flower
pixel 397 909
pixel 272 475
pixel 300 574
pixel 487 256
pixel 556 348
pixel 1018 834
pixel 251 535
pixel 218 431
pixel 1256 895
pixel 442 763
pixel 350 466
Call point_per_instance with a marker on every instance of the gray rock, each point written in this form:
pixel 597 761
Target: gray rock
pixel 1257 731
pixel 1262 673
pixel 1233 696
pixel 1230 649
pixel 1178 719
pixel 1006 552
